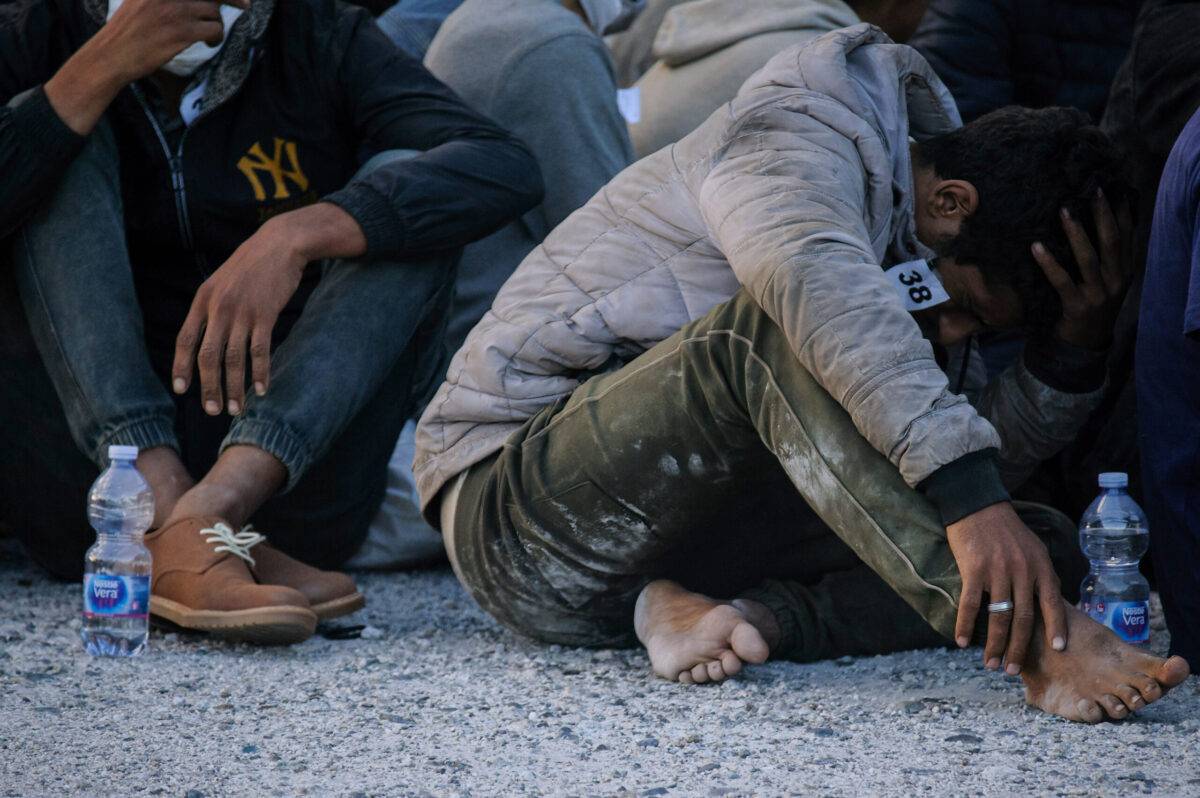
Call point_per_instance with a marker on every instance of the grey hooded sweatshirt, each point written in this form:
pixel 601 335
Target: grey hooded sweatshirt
pixel 706 50
pixel 543 74
pixel 798 191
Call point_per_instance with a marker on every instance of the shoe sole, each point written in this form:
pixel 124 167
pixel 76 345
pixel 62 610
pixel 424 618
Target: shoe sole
pixel 273 626
pixel 343 605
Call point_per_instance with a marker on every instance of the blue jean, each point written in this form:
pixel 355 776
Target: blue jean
pixel 350 370
pixel 412 24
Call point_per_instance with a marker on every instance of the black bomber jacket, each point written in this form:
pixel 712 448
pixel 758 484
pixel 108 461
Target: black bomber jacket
pixel 322 90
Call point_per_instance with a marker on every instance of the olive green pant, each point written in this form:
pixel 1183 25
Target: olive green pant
pixel 716 460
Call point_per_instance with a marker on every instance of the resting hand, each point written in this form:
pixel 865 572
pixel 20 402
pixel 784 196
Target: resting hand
pixel 997 554
pixel 235 311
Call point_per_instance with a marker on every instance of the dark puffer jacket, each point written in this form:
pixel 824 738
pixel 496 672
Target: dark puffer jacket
pixel 992 53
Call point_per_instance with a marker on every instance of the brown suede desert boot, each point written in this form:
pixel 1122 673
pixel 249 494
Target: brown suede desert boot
pixel 329 593
pixel 201 580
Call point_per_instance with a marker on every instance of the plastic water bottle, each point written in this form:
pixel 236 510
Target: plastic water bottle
pixel 1113 535
pixel 116 580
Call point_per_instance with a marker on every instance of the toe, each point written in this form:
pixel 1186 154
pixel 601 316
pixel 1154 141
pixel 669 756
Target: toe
pixel 716 672
pixel 1114 706
pixel 1130 697
pixel 730 663
pixel 700 673
pixel 1089 711
pixel 1149 689
pixel 748 643
pixel 686 678
pixel 1172 672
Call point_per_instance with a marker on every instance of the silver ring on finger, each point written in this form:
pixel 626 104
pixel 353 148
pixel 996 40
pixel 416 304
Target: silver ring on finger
pixel 1000 606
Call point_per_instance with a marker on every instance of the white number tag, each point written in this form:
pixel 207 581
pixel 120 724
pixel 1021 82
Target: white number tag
pixel 917 285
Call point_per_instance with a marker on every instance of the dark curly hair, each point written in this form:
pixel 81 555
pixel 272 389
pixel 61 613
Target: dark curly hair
pixel 1026 164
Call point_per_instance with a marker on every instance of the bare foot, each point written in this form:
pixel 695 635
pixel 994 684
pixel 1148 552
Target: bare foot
pixel 1098 676
pixel 695 639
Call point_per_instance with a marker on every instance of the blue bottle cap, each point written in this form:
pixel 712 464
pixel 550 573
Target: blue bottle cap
pixel 122 452
pixel 1114 479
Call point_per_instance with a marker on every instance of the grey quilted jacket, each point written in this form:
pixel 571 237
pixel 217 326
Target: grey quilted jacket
pixel 800 189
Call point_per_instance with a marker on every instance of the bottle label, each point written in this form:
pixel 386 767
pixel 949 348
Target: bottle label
pixel 116 596
pixel 1129 619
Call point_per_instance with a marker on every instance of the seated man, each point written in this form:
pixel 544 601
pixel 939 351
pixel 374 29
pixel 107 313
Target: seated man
pixel 707 358
pixel 1168 361
pixel 215 218
pixel 540 69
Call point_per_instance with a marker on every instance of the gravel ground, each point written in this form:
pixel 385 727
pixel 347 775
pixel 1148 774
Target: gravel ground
pixel 436 699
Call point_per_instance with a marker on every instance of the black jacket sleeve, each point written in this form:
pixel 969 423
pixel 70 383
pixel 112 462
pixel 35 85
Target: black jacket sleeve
pixel 36 147
pixel 471 177
pixel 968 43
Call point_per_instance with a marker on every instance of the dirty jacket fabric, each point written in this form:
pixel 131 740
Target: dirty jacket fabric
pixel 798 190
pixel 1036 53
pixel 706 50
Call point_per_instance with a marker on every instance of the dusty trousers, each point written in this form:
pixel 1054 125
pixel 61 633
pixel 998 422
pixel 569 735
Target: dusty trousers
pixel 716 460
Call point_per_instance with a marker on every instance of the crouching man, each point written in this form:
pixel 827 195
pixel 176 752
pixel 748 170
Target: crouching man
pixel 704 383
pixel 230 256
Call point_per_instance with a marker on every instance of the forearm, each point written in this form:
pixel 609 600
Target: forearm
pixel 318 232
pixel 1037 416
pixel 86 85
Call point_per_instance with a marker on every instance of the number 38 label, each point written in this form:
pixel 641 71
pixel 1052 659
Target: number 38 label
pixel 917 285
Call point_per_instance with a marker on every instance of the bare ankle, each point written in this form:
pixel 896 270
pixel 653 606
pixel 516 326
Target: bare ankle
pixel 242 479
pixel 168 478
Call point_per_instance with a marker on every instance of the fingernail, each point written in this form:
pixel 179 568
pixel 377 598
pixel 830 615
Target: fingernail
pixel 1038 249
pixel 993 663
pixel 962 642
pixel 180 385
pixel 1058 643
pixel 1099 192
pixel 1013 669
pixel 1066 214
pixel 260 389
pixel 211 407
pixel 233 408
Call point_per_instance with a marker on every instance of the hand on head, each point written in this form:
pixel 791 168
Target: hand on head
pixel 1090 305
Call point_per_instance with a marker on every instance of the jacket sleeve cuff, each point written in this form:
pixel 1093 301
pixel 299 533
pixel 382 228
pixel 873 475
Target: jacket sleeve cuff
pixel 374 214
pixel 965 486
pixel 1065 367
pixel 40 125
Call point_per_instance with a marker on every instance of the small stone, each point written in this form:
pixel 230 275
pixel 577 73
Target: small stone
pixel 193 794
pixel 371 633
pixel 249 749
pixel 973 739
pixel 655 791
pixel 649 742
pixel 824 731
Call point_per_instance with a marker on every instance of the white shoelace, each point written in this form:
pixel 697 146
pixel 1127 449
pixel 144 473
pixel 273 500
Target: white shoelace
pixel 236 543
